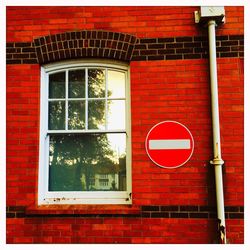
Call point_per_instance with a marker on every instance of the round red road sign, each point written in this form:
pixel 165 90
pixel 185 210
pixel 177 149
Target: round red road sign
pixel 169 144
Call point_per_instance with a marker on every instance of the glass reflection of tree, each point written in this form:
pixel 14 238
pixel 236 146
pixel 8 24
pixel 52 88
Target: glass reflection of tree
pixel 96 107
pixel 57 115
pixel 57 108
pixel 76 108
pixel 75 155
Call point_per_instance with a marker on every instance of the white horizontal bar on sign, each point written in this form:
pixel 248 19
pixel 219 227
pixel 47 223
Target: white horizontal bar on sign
pixel 169 144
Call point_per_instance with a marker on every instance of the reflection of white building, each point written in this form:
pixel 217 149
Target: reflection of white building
pixel 102 181
pixel 110 177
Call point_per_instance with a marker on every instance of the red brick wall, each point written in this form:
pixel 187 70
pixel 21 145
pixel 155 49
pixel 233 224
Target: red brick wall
pixel 160 90
pixel 26 23
pixel 171 90
pixel 23 96
pixel 118 230
pixel 179 90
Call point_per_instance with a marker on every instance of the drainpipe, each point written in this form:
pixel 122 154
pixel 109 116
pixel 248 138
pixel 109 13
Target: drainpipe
pixel 217 162
pixel 212 16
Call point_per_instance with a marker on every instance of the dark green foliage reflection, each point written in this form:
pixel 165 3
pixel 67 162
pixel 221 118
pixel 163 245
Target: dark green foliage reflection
pixel 96 112
pixel 96 83
pixel 76 84
pixel 86 162
pixel 57 115
pixel 76 115
pixel 57 85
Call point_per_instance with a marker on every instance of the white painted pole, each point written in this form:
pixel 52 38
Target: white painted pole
pixel 217 161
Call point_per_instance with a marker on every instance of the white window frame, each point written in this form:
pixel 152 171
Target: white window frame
pixel 80 197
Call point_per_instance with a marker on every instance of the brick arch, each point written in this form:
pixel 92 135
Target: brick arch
pixel 84 44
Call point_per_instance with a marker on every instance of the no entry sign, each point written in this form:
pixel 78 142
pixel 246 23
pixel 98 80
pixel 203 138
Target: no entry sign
pixel 169 144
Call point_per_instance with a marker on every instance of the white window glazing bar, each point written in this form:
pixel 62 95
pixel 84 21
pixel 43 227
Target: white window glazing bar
pixel 106 96
pixel 86 131
pixel 86 98
pixel 47 102
pixel 76 99
pixel 66 99
pixel 56 99
pixel 47 141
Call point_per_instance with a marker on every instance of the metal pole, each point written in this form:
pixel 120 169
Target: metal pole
pixel 217 161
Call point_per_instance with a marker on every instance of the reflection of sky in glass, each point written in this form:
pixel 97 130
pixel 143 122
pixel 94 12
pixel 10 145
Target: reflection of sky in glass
pixel 116 111
pixel 117 143
pixel 116 114
pixel 116 84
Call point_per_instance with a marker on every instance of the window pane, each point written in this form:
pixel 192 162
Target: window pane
pixel 96 83
pixel 57 85
pixel 96 114
pixel 77 84
pixel 76 115
pixel 116 84
pixel 56 115
pixel 87 162
pixel 116 114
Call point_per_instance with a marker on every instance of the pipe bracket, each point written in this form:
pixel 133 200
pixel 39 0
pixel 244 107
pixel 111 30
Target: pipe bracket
pixel 217 161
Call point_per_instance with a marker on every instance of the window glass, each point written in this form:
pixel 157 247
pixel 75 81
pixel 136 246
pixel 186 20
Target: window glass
pixel 57 85
pixel 87 162
pixel 56 115
pixel 96 114
pixel 77 83
pixel 76 115
pixel 116 114
pixel 116 84
pixel 96 83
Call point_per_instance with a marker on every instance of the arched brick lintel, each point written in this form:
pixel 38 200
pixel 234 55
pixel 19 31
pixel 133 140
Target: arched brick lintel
pixel 85 44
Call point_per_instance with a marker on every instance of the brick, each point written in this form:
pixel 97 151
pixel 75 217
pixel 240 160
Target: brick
pixel 189 208
pixel 150 208
pixel 139 58
pixel 156 46
pixel 160 215
pixel 222 38
pixel 180 51
pixel 184 39
pixel 174 45
pixel 166 51
pixel 166 40
pixel 192 56
pixel 198 215
pixel 229 43
pixel 236 215
pixel 228 54
pixel 160 57
pixel 192 45
pixel 173 57
pixel 14 61
pixel 236 37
